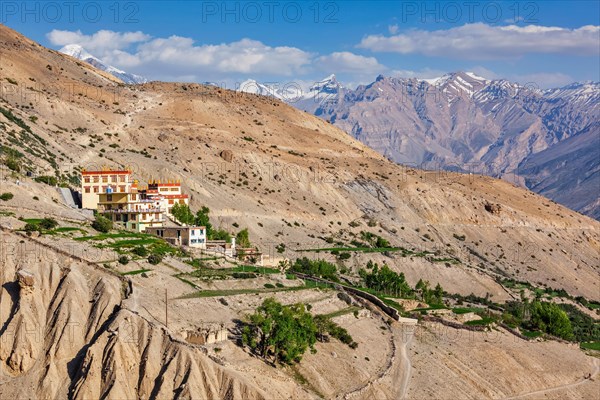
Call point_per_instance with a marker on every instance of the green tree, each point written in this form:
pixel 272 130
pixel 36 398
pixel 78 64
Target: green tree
pixel 242 238
pixel 183 214
pixel 48 223
pixel 202 219
pixel 550 318
pixel 438 293
pixel 281 333
pixel 102 224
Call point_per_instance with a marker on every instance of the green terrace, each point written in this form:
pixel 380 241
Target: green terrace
pixel 233 292
pixel 405 252
pixel 238 272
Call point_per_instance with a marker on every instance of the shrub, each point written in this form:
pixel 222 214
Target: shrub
pixel 124 260
pixel 48 223
pixel 6 196
pixel 140 251
pixel 154 259
pixel 269 286
pixel 102 224
pixel 30 228
pixel 12 164
pixel 48 180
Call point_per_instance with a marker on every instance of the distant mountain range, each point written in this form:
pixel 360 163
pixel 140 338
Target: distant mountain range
pixel 80 53
pixel 548 140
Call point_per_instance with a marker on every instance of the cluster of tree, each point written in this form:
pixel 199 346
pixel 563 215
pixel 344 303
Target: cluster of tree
pixel 280 333
pixel 428 295
pixel 540 316
pixel 318 268
pixel 385 281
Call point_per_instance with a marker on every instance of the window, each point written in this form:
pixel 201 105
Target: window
pixel 170 201
pixel 157 215
pixel 86 179
pixel 174 189
pixel 122 188
pixel 87 189
pixel 109 197
pixel 96 189
pixel 113 178
pixel 96 179
pixel 193 232
pixel 104 189
pixel 132 226
pixel 122 178
pixel 181 201
pixel 134 197
pixel 105 179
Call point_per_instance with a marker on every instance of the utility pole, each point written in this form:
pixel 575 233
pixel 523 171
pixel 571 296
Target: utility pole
pixel 166 309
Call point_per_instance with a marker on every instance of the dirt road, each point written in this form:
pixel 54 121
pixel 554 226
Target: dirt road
pixel 538 393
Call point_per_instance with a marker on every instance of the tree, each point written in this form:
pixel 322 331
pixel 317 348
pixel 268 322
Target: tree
pixel 438 293
pixel 220 234
pixel 550 318
pixel 242 238
pixel 48 223
pixel 30 228
pixel 183 214
pixel 123 260
pixel 281 333
pixel 102 224
pixel 202 219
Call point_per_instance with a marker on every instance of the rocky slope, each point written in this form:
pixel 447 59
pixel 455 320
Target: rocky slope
pixel 290 178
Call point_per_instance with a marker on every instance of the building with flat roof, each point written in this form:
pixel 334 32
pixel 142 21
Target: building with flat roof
pixel 95 182
pixel 192 236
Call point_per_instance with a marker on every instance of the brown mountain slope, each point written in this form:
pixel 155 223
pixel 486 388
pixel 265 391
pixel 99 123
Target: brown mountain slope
pixel 287 176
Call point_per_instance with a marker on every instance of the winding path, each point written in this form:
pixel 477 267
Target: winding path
pixel 561 387
pixel 404 369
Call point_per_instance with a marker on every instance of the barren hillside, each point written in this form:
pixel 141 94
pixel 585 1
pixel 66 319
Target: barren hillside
pixel 290 178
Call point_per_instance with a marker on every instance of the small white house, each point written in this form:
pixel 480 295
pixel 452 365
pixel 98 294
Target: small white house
pixel 192 236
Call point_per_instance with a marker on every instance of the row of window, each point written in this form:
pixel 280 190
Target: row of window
pixel 96 189
pixel 105 179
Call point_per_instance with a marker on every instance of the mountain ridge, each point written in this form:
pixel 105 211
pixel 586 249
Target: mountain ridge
pixel 464 122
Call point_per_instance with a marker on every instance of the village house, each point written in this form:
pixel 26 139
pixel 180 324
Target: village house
pixel 192 236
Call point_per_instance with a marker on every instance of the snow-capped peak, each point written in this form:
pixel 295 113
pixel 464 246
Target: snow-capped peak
pixel 252 86
pixel 78 52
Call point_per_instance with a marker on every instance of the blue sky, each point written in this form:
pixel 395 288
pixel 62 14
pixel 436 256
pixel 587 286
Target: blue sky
pixel 549 43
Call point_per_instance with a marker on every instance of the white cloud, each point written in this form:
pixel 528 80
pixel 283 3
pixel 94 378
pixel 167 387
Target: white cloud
pixel 346 62
pixel 393 29
pixel 481 41
pixel 100 41
pixel 176 56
